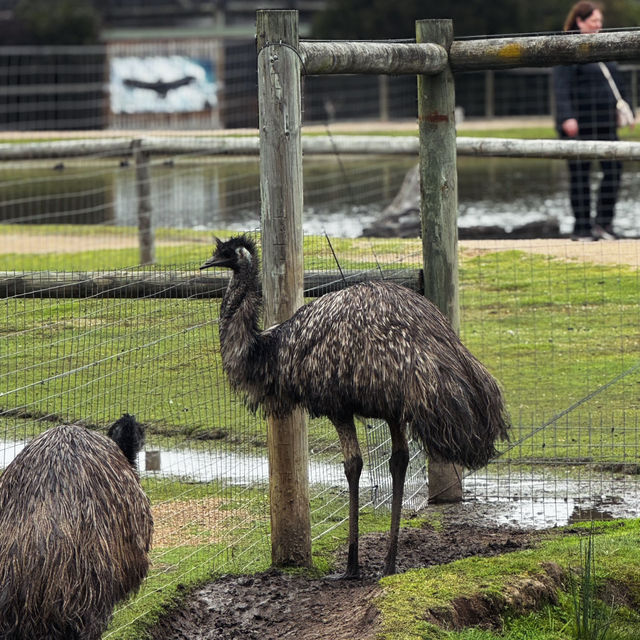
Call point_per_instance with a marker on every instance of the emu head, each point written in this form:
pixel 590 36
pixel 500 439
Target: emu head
pixel 232 253
pixel 128 434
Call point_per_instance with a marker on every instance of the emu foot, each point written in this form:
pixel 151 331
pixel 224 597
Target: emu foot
pixel 347 575
pixel 353 566
pixel 389 566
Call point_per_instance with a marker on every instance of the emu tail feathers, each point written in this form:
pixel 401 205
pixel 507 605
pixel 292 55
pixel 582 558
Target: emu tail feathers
pixel 128 434
pixel 463 428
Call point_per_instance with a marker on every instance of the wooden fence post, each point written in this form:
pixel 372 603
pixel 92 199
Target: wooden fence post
pixel 280 122
pixel 383 98
pixel 489 94
pixel 146 237
pixel 439 205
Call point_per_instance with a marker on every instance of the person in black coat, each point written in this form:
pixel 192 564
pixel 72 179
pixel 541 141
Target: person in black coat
pixel 586 110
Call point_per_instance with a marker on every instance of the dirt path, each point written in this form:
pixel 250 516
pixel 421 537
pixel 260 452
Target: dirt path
pixel 61 243
pixel 619 252
pixel 273 605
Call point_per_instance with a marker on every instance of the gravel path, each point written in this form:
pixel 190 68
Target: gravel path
pixel 619 252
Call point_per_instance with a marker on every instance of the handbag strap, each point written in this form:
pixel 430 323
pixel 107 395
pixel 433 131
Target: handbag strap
pixel 612 84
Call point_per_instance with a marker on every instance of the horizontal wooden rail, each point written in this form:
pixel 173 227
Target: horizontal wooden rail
pixel 542 148
pixel 543 51
pixel 213 145
pixel 323 145
pixel 65 148
pixel 487 147
pixel 468 55
pixel 142 284
pixel 382 58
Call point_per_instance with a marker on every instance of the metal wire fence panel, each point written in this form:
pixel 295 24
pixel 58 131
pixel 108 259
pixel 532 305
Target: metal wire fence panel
pixel 379 452
pixel 52 88
pixel 555 321
pixel 87 334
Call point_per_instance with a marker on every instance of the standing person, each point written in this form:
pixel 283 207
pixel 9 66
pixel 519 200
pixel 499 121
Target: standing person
pixel 586 110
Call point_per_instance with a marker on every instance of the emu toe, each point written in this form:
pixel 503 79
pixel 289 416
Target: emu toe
pixel 347 575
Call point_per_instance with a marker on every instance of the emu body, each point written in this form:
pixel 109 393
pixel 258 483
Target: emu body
pixel 76 530
pixel 375 350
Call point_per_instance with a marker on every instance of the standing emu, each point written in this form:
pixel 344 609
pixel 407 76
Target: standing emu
pixel 376 350
pixel 76 529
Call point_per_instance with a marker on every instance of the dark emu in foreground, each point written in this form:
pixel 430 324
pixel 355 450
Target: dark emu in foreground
pixel 75 529
pixel 376 350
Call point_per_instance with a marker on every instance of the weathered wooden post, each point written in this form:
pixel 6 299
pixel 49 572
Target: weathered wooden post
pixel 383 97
pixel 280 121
pixel 489 94
pixel 439 208
pixel 146 237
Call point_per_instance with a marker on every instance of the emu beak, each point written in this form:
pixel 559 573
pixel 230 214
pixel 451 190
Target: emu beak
pixel 212 261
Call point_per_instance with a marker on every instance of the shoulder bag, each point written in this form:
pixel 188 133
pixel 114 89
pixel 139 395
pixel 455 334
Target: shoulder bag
pixel 624 112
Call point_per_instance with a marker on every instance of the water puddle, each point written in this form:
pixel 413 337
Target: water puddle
pixel 539 499
pixel 206 466
pixel 549 497
pixel 233 468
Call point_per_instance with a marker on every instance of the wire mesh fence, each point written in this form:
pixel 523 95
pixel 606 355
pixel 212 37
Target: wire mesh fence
pixel 555 321
pixel 211 83
pixel 88 334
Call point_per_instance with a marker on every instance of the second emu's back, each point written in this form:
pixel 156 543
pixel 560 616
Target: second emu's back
pixel 376 350
pixel 75 532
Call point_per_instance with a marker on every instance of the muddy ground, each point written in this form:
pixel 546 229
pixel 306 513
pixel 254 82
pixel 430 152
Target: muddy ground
pixel 274 605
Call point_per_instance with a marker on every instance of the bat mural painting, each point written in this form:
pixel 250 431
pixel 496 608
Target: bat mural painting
pixel 162 84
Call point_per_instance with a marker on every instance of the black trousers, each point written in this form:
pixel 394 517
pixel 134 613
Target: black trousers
pixel 580 192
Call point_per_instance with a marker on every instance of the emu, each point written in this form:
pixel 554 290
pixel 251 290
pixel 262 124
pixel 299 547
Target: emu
pixel 375 350
pixel 76 531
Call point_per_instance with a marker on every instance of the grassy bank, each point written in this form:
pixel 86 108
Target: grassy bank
pixel 412 602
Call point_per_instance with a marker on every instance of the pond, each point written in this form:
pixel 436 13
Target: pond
pixel 342 196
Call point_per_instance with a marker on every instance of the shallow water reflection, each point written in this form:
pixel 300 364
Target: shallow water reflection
pixel 545 498
pixel 340 197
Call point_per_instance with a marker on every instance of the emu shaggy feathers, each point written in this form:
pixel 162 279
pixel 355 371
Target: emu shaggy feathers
pixel 378 353
pixel 76 531
pixel 374 349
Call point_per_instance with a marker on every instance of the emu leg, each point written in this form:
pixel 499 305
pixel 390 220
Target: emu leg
pixel 398 463
pixel 352 469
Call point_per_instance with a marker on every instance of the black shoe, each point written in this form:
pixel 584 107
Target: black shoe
pixel 583 236
pixel 605 232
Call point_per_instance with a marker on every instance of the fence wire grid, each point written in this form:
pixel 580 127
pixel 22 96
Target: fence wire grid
pixel 568 366
pixel 88 334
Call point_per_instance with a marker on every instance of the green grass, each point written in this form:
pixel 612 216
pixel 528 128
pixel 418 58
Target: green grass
pixel 551 330
pixel 554 331
pixel 408 598
pixel 191 249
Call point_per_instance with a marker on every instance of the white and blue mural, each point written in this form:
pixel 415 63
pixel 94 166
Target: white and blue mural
pixel 162 84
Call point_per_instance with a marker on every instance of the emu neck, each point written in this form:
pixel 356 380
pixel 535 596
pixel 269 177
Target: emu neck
pixel 239 317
